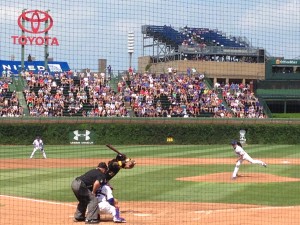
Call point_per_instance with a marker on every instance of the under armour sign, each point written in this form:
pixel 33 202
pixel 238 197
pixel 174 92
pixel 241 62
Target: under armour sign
pixel 81 137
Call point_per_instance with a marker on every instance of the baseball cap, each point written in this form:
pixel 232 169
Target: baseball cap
pixel 102 165
pixel 233 142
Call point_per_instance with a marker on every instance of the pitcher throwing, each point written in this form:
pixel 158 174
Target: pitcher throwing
pixel 242 155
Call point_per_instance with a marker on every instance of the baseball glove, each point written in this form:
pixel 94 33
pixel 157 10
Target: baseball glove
pixel 129 163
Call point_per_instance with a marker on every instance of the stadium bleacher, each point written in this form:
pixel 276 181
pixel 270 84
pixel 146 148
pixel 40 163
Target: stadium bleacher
pixel 166 34
pixel 146 95
pixel 173 37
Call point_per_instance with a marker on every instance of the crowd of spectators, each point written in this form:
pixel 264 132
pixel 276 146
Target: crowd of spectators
pixel 206 37
pixel 44 93
pixel 200 38
pixel 241 100
pixel 170 94
pixel 102 100
pixel 9 103
pixel 66 94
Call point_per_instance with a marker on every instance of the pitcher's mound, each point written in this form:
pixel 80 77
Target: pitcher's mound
pixel 242 178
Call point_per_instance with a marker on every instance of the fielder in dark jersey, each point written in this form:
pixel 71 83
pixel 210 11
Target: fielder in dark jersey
pixel 84 188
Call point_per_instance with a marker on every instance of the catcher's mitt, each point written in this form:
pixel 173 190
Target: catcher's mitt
pixel 129 163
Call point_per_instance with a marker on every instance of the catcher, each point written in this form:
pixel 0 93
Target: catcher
pixel 107 202
pixel 114 165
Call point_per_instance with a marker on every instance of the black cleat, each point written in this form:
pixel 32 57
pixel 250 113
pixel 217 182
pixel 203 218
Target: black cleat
pixel 92 221
pixel 78 220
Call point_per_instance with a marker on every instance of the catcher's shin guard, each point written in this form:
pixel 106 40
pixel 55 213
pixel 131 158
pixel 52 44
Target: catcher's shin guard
pixel 117 218
pixel 117 212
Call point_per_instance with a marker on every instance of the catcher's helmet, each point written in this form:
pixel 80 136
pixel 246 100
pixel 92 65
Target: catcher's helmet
pixel 121 157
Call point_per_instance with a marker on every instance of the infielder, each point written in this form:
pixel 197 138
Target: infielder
pixel 108 204
pixel 38 145
pixel 242 155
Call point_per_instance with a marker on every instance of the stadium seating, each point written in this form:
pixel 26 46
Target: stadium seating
pixel 173 95
pixel 147 95
pixel 9 103
pixel 166 34
pixel 170 36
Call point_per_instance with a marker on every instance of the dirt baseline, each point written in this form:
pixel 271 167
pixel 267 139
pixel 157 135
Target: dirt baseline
pixel 24 211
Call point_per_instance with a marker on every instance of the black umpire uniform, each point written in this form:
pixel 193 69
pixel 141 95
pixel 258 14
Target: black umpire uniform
pixel 84 188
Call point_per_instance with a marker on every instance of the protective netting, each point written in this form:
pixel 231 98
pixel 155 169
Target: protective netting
pixel 99 30
pixel 176 42
pixel 190 184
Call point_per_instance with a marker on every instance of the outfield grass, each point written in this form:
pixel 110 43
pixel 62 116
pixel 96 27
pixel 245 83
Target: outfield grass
pixel 157 182
pixel 150 151
pixel 286 115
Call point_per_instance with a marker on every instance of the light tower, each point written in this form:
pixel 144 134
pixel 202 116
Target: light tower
pixel 130 43
pixel 46 54
pixel 23 46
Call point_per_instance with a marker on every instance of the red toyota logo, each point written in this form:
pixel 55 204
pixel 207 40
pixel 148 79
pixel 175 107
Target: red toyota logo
pixel 36 18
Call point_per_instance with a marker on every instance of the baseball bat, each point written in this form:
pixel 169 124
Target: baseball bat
pixel 115 150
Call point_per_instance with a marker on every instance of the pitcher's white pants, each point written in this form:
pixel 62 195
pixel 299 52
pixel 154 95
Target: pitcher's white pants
pixel 249 159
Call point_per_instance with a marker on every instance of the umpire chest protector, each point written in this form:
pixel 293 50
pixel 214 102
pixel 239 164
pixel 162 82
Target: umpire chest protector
pixel 91 176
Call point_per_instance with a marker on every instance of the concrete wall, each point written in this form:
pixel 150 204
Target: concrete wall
pixel 227 70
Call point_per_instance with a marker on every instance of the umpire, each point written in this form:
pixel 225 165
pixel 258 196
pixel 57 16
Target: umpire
pixel 84 188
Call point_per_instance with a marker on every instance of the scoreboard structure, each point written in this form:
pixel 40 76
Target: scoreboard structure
pixel 282 69
pixel 281 88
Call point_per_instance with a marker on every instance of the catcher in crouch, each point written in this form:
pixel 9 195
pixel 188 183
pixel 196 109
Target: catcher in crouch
pixel 107 202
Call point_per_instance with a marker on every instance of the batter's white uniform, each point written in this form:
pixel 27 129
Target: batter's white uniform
pixel 240 152
pixel 38 145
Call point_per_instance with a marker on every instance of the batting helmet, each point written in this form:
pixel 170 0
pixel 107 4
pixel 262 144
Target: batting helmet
pixel 120 157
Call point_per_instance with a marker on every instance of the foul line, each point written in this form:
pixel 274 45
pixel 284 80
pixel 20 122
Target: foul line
pixel 244 209
pixel 36 200
pixel 200 211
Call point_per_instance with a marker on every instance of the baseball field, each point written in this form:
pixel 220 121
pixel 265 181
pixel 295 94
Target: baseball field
pixel 170 184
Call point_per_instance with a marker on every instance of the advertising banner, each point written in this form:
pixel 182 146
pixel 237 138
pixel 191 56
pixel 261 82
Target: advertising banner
pixel 81 137
pixel 15 66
